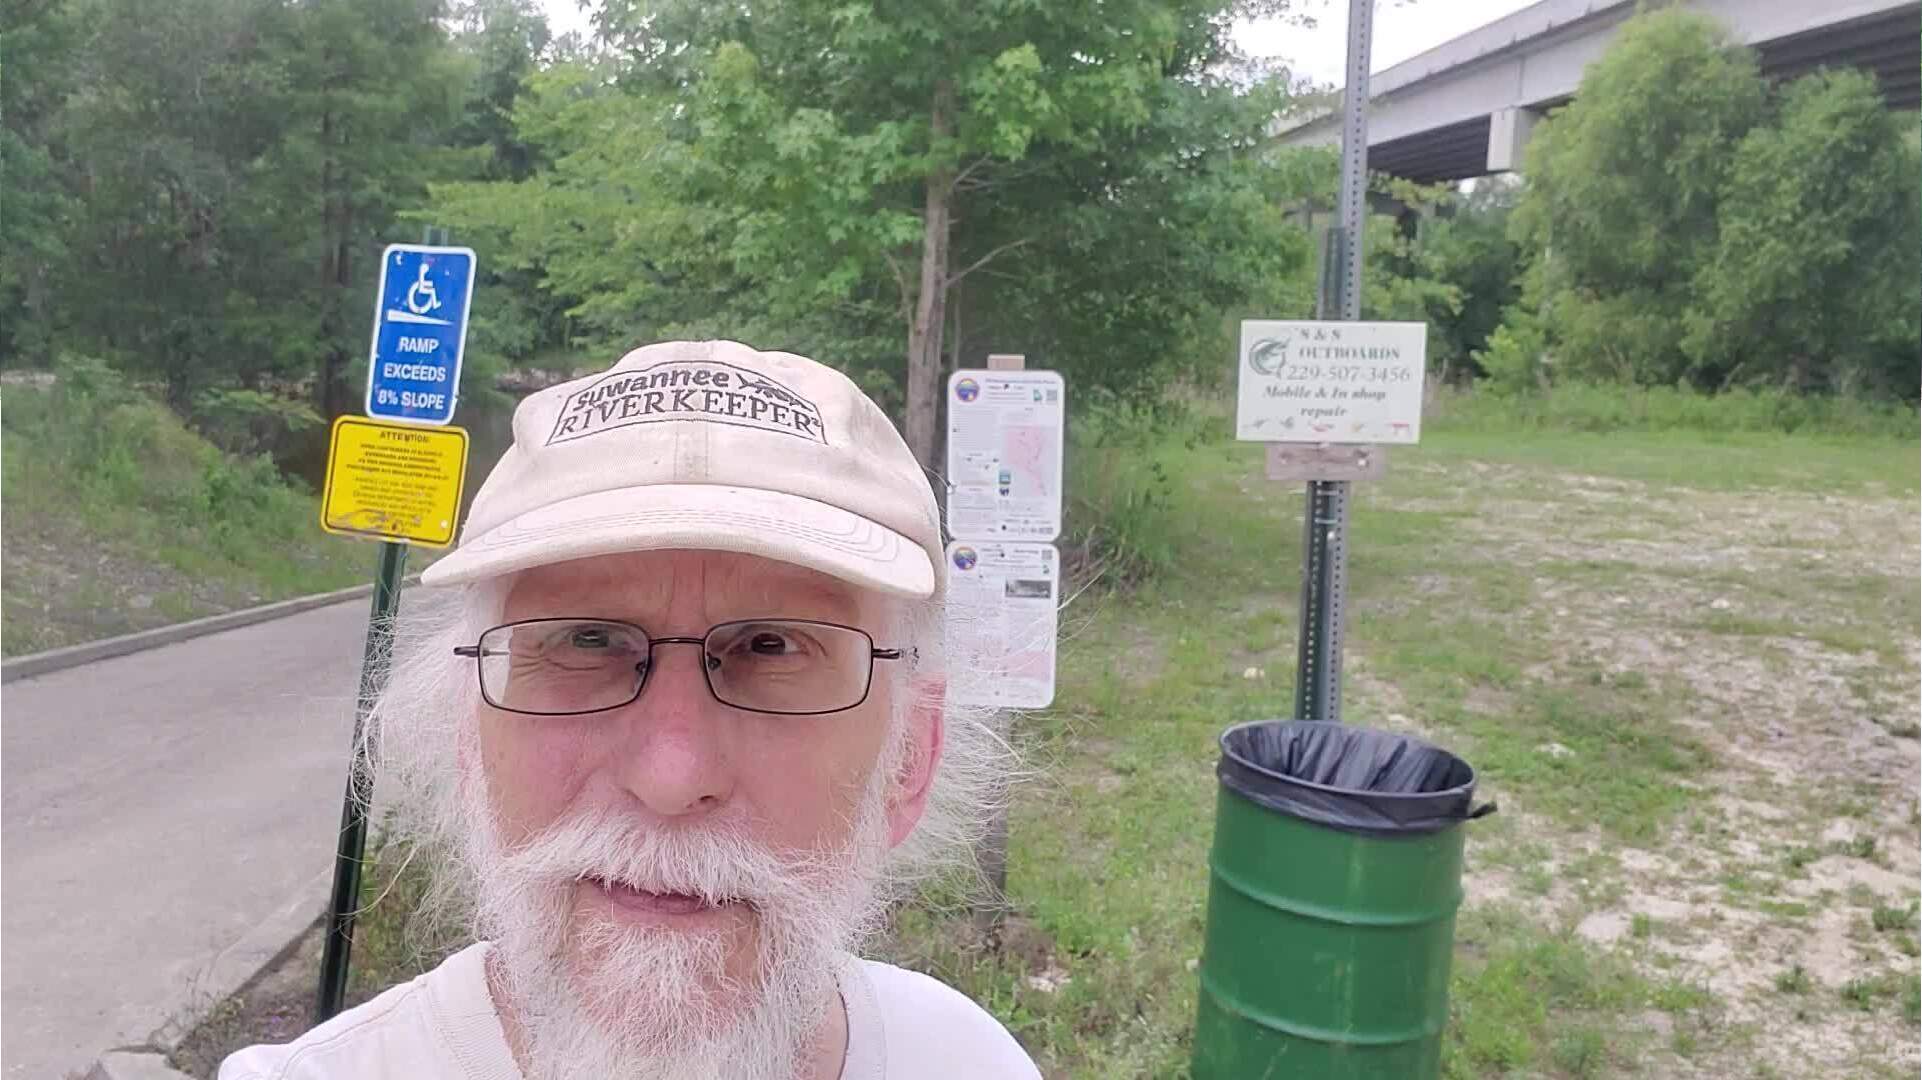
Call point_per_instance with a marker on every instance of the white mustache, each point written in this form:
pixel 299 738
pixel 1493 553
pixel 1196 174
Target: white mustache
pixel 715 863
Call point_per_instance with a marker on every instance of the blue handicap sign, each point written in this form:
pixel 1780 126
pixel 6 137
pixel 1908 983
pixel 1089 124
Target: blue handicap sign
pixel 420 331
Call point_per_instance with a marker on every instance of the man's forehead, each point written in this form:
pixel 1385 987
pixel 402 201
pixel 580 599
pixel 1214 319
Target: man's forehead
pixel 651 580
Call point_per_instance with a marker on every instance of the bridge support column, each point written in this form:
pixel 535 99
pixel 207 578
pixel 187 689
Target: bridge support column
pixel 1508 132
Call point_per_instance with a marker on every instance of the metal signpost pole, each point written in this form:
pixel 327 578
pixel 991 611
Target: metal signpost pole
pixel 1324 560
pixel 360 785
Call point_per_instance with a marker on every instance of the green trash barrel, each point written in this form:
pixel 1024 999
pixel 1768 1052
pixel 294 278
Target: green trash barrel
pixel 1332 890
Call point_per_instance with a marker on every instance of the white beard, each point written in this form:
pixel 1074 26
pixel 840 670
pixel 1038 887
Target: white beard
pixel 597 999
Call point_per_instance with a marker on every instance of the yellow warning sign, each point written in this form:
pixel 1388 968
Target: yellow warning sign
pixel 394 481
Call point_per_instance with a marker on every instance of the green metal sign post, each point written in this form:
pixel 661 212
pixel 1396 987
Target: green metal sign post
pixel 360 784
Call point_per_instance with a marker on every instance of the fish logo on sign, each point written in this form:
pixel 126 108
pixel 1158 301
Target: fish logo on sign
pixel 1269 355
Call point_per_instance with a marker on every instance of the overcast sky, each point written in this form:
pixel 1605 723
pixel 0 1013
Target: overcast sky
pixel 1403 28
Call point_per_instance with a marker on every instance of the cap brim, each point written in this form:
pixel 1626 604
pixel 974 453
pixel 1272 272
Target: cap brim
pixel 747 521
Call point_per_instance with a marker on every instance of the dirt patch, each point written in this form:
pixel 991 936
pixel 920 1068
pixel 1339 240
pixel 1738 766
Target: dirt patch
pixel 1766 614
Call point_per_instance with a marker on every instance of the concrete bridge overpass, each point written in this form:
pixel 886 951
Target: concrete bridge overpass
pixel 1465 108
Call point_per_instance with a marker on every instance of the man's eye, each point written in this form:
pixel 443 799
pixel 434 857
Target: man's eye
pixel 768 644
pixel 589 639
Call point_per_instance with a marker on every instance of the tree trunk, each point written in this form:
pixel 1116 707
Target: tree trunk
pixel 325 395
pixel 338 358
pixel 337 275
pixel 930 304
pixel 954 331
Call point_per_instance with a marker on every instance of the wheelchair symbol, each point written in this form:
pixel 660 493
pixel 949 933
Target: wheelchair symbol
pixel 420 295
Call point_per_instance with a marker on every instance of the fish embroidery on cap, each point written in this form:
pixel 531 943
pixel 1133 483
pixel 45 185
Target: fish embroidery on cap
pixel 702 390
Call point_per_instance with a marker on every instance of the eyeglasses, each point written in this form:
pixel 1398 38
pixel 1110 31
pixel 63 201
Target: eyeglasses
pixel 565 667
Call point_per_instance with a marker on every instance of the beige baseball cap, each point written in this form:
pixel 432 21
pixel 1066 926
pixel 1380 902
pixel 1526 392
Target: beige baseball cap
pixel 706 445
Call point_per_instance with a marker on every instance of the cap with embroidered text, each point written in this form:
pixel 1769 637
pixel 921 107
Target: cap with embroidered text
pixel 706 445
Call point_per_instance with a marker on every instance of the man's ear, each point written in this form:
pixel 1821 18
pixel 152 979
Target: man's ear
pixel 908 795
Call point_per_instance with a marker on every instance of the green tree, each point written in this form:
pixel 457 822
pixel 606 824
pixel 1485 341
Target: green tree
pixel 222 174
pixel 1810 282
pixel 505 40
pixel 613 227
pixel 154 140
pixel 1128 258
pixel 880 142
pixel 371 92
pixel 1623 190
pixel 512 318
pixel 38 52
pixel 1468 248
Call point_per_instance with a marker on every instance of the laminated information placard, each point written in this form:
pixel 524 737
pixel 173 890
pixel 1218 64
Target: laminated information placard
pixel 1002 612
pixel 1004 455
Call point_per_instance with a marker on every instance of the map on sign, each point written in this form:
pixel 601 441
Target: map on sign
pixel 1002 623
pixel 420 331
pixel 394 481
pixel 1004 455
pixel 1330 382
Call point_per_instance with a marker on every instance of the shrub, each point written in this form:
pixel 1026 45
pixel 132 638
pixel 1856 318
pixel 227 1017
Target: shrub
pixel 1123 522
pixel 1597 407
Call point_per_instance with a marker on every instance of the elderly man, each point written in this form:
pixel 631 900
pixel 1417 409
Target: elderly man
pixel 676 732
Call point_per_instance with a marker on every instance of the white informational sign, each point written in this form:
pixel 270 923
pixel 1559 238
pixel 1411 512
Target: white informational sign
pixel 1004 455
pixel 1001 618
pixel 1330 382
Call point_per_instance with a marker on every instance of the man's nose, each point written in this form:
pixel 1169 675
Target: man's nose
pixel 673 754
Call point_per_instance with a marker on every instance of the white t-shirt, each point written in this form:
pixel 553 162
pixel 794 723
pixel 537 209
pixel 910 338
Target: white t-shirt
pixel 902 1025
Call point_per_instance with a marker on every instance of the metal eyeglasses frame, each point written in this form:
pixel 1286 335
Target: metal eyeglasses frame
pixel 647 666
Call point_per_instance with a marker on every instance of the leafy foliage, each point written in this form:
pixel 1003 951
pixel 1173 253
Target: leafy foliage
pixel 198 191
pixel 1470 251
pixel 1074 181
pixel 1683 225
pixel 1623 188
pixel 1810 282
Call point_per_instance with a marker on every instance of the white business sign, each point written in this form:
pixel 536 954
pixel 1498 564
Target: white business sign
pixel 1002 620
pixel 1004 455
pixel 1330 382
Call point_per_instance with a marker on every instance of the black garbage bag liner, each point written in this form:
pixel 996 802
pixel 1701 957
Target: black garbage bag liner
pixel 1355 779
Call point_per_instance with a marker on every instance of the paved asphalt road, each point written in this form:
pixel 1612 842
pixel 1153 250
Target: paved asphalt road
pixel 157 807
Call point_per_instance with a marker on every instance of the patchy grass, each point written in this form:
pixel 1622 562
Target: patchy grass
pixel 1527 998
pixel 1887 917
pixel 274 1006
pixel 1793 981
